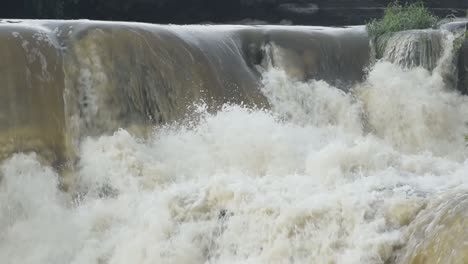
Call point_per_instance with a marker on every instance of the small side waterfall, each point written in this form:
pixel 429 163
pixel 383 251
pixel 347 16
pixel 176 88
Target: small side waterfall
pixel 424 48
pixel 414 48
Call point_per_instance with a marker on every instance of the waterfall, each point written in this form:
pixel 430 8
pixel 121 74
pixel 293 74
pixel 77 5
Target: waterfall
pixel 138 143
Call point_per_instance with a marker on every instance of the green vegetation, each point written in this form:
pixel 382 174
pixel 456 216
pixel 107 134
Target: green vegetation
pixel 402 17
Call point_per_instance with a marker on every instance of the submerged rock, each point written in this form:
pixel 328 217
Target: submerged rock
pixel 439 233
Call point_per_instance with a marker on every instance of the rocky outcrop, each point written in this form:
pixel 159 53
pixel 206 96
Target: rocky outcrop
pixel 309 12
pixel 461 48
pixel 463 66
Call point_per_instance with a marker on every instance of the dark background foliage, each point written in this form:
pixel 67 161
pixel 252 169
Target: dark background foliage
pixel 316 12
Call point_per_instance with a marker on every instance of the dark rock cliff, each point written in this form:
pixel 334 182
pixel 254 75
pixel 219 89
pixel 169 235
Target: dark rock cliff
pixel 316 12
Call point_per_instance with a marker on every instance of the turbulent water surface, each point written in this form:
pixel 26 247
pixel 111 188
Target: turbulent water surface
pixel 374 173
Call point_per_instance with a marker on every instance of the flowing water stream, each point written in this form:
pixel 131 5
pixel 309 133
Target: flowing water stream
pixel 131 143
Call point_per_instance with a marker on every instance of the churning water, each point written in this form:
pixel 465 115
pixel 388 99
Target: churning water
pixel 373 175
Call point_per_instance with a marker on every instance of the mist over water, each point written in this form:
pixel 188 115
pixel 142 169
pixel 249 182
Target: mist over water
pixel 325 176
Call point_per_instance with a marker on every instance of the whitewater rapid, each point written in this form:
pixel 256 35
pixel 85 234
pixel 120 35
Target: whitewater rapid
pixel 325 176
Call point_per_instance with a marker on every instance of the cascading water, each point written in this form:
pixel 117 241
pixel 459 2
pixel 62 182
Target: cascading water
pixel 332 166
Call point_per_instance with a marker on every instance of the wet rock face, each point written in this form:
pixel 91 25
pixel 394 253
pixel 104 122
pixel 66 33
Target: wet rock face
pixel 463 68
pixel 310 12
pixel 460 27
